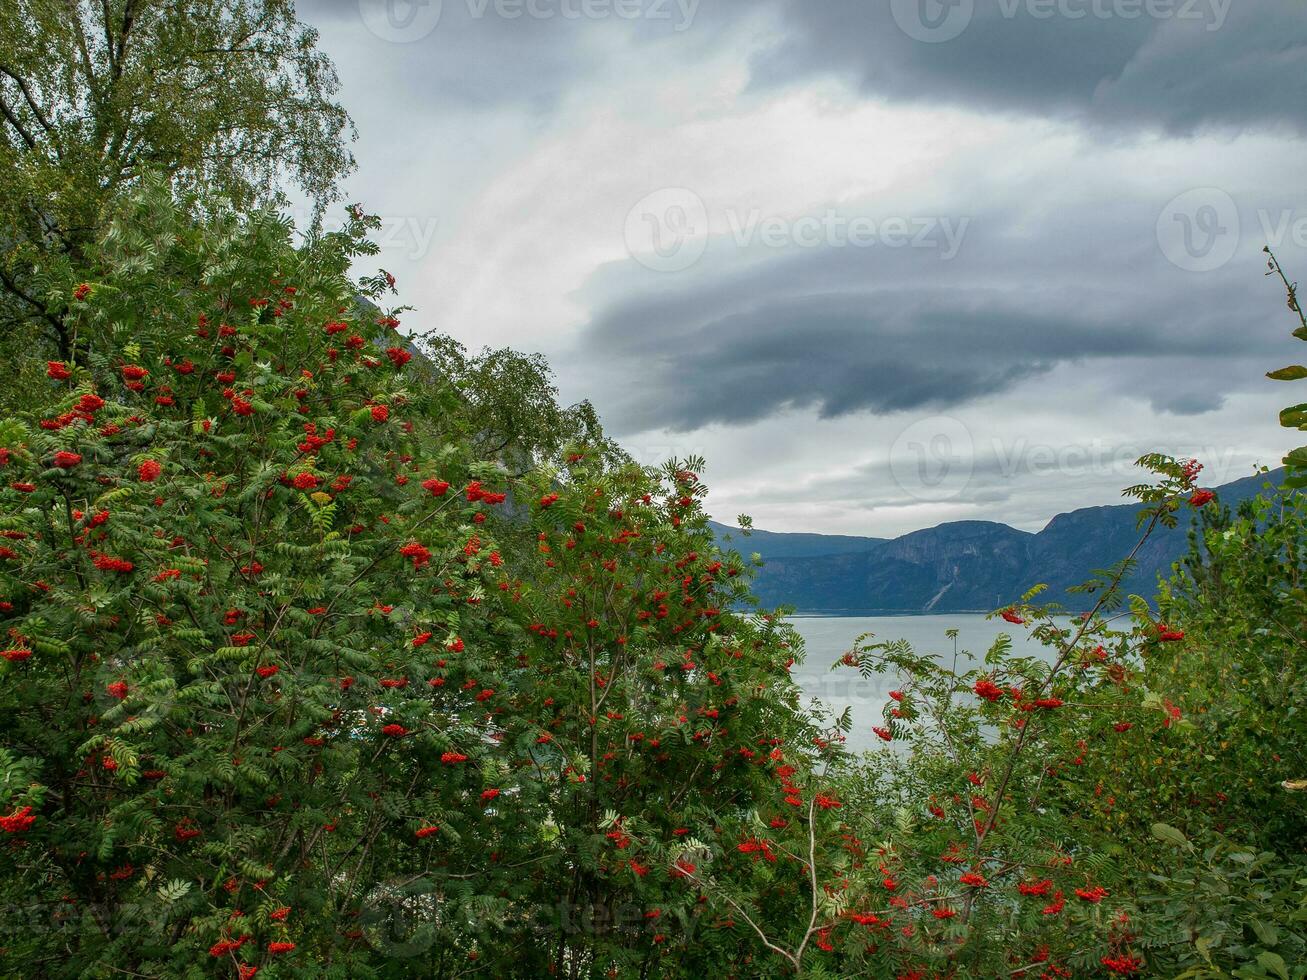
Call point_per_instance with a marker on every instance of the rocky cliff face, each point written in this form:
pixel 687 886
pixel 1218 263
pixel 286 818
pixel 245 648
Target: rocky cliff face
pixel 969 566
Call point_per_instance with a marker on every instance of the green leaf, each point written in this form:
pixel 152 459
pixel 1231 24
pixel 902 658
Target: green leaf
pixel 174 890
pixel 1273 962
pixel 1266 932
pixel 1164 831
pixel 1294 372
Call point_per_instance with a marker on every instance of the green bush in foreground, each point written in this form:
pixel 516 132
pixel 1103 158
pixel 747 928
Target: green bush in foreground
pixel 274 699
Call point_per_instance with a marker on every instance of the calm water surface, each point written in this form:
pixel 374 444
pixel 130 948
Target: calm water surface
pixel 828 637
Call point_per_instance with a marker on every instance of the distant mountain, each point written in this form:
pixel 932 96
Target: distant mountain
pixel 967 566
pixel 780 545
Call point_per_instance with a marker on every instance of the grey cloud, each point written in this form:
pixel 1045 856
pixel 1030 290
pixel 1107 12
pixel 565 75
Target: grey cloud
pixel 1172 72
pixel 495 53
pixel 1210 63
pixel 461 62
pixel 846 330
pixel 840 354
pixel 834 354
pixel 1189 403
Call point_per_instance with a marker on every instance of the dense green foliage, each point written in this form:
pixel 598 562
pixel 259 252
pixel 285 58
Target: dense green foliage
pixel 1152 760
pixel 261 645
pixel 1241 596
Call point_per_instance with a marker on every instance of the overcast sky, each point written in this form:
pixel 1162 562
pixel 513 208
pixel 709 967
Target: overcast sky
pixel 885 263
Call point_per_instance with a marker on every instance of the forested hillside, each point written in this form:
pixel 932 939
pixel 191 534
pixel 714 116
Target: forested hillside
pixel 968 566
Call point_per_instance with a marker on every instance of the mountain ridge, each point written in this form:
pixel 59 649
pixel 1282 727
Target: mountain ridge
pixel 963 566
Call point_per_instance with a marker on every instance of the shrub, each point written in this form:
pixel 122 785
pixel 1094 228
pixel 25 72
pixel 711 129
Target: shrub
pixel 274 698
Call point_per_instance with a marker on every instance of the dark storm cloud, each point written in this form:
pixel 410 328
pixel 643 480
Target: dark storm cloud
pixel 1180 64
pixel 837 355
pixel 839 331
pixel 879 352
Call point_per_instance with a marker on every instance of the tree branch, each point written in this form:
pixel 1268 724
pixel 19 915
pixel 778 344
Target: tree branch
pixel 8 113
pixel 41 117
pixel 60 328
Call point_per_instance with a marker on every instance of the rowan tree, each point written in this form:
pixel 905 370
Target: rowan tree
pixel 231 97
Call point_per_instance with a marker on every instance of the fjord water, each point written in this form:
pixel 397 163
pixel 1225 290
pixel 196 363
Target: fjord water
pixel 827 638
